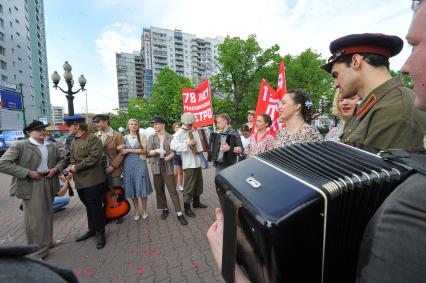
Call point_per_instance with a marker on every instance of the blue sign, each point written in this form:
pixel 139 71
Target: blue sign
pixel 10 100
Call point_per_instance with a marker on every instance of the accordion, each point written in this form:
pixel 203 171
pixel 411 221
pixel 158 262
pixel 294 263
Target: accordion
pixel 298 214
pixel 214 153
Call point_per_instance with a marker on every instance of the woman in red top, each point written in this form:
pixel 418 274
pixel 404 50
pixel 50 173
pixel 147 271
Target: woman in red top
pixel 262 140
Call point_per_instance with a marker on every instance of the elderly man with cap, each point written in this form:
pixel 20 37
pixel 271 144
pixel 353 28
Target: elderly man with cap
pixel 34 165
pixel 162 169
pixel 385 118
pixel 183 142
pixel 85 157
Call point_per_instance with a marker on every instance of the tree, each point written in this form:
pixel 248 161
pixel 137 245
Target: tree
pixel 406 78
pixel 240 61
pixel 166 100
pixel 304 71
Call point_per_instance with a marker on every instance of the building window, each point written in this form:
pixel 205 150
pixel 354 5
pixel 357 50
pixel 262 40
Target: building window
pixel 2 50
pixel 18 34
pixel 16 20
pixel 1 36
pixel 3 65
pixel 1 9
pixel 4 78
pixel 1 22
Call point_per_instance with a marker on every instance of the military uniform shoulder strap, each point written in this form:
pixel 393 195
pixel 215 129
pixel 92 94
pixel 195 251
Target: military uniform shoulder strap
pixel 412 158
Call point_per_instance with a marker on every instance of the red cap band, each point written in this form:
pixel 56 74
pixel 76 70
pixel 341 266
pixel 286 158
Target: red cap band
pixel 365 49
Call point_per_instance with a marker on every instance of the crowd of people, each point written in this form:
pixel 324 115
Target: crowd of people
pixel 376 111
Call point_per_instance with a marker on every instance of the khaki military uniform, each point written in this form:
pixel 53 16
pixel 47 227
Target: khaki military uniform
pixel 386 119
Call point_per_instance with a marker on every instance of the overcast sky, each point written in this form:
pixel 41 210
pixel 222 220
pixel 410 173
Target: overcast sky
pixel 88 33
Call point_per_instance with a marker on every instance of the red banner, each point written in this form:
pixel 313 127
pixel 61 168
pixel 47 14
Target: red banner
pixel 198 101
pixel 266 103
pixel 268 99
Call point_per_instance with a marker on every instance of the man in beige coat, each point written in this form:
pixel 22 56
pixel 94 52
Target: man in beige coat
pixel 34 165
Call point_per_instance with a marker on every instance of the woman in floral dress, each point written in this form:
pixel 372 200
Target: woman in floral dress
pixel 295 110
pixel 262 140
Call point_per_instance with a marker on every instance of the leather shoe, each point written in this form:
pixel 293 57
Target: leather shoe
pixel 198 205
pixel 188 210
pixel 182 220
pixel 164 214
pixel 85 236
pixel 100 240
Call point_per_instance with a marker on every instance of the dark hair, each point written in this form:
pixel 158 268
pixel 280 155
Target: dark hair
pixel 245 128
pixel 266 118
pixel 301 97
pixel 374 60
pixel 226 117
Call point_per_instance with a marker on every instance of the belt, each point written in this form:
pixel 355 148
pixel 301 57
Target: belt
pixel 44 174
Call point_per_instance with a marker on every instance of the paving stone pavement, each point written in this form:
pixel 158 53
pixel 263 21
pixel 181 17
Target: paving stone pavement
pixel 150 250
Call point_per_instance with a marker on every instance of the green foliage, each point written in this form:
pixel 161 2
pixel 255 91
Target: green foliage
pixel 166 100
pixel 244 64
pixel 241 62
pixel 304 71
pixel 406 78
pixel 118 120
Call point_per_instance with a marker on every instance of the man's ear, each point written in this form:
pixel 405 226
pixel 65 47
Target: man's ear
pixel 356 61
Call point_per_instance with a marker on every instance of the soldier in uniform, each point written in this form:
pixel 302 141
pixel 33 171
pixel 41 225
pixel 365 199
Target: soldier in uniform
pixel 85 157
pixel 385 118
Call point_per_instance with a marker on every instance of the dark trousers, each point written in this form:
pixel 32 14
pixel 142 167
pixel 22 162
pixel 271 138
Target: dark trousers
pixel 192 183
pixel 169 180
pixel 92 198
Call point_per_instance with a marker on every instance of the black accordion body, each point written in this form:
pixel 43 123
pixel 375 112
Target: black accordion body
pixel 303 210
pixel 215 155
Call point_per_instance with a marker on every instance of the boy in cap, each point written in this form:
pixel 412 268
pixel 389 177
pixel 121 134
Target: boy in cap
pixel 85 158
pixel 34 165
pixel 162 169
pixel 385 118
pixel 183 142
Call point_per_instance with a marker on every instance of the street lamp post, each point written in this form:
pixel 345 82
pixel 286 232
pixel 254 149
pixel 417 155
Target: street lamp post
pixel 70 83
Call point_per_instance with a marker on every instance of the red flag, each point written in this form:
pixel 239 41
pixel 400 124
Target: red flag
pixel 266 102
pixel 281 91
pixel 198 101
pixel 281 85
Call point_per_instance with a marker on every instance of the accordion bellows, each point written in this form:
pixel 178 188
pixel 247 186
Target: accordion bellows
pixel 304 209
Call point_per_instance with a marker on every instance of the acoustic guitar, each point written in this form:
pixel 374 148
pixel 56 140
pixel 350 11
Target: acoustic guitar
pixel 115 203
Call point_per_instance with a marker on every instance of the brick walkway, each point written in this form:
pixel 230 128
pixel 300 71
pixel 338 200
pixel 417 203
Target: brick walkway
pixel 150 250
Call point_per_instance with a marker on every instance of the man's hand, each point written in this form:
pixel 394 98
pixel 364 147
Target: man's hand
pixel 160 151
pixel 52 171
pixel 169 156
pixel 225 147
pixel 190 142
pixel 121 147
pixel 72 169
pixel 215 237
pixel 238 150
pixel 34 175
pixel 109 169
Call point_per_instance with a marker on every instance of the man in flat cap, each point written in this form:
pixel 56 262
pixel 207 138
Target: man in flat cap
pixel 85 157
pixel 34 164
pixel 184 142
pixel 162 169
pixel 111 139
pixel 385 118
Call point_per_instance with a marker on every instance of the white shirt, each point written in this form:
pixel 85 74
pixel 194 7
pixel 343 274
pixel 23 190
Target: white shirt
pixel 246 142
pixel 42 167
pixel 179 144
